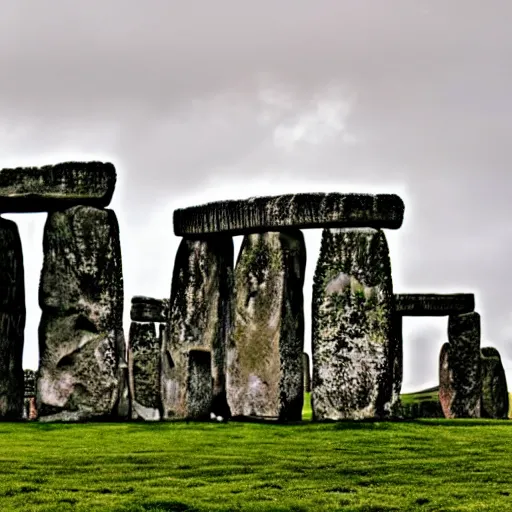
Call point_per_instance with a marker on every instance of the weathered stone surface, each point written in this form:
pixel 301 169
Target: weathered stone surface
pixel 434 304
pixel 264 358
pixel 494 402
pixel 200 317
pixel 12 321
pixel 144 371
pixel 56 187
pixel 397 360
pixel 265 214
pixel 353 340
pixel 29 382
pixel 307 372
pixel 445 380
pixel 460 379
pixel 147 309
pixel 199 385
pixel 81 341
pixel 29 401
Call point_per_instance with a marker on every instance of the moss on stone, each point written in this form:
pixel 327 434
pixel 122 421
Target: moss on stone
pixel 265 351
pixel 266 214
pixel 353 340
pixel 81 337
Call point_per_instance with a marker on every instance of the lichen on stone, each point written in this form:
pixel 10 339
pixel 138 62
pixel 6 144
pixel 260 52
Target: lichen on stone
pixel 200 318
pixel 264 357
pixel 144 369
pixel 56 187
pixel 81 341
pixel 266 214
pixel 353 343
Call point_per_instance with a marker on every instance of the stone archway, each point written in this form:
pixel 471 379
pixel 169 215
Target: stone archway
pixel 460 381
pixel 82 360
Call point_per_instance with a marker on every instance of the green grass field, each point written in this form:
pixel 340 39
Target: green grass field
pixel 430 394
pixel 427 465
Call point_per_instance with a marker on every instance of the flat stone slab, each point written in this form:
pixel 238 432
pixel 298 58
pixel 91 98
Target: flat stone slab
pixel 56 187
pixel 434 304
pixel 260 214
pixel 148 309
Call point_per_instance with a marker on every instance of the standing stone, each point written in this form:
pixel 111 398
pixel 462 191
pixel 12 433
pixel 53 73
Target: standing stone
pixel 460 380
pixel 12 321
pixel 353 340
pixel 144 371
pixel 445 380
pixel 265 372
pixel 397 359
pixel 494 403
pixel 81 340
pixel 307 372
pixel 199 384
pixel 199 319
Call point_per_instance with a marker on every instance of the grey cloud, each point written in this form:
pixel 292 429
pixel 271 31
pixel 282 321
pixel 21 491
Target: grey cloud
pixel 171 93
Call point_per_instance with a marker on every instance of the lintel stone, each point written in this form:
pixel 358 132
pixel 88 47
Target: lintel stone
pixel 434 304
pixel 148 309
pixel 271 213
pixel 56 187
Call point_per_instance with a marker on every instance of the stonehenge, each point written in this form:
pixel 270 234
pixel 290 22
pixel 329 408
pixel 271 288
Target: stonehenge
pixel 228 341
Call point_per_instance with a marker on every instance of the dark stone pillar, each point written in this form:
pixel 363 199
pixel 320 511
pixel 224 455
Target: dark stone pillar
pixel 494 385
pixel 199 319
pixel 307 372
pixel 460 379
pixel 12 321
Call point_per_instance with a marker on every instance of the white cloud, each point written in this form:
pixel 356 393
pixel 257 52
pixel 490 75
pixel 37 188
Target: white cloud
pixel 315 121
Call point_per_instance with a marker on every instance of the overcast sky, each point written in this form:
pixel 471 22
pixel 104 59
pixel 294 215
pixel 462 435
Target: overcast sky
pixel 195 101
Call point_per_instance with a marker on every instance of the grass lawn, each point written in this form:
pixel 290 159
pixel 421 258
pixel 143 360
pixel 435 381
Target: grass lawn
pixel 428 395
pixel 427 465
